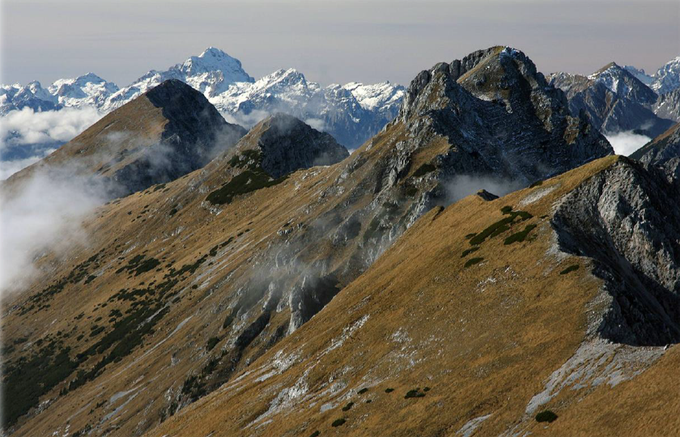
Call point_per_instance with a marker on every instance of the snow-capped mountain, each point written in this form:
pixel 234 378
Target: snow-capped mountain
pixel 86 90
pixel 33 95
pixel 212 73
pixel 624 84
pixel 667 78
pixel 352 113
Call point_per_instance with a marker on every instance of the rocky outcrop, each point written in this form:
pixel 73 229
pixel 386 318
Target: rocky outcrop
pixel 500 117
pixel 662 150
pixel 287 144
pixel 626 219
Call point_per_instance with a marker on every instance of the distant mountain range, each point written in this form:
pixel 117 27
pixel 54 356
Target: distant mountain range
pixel 352 113
pixel 621 99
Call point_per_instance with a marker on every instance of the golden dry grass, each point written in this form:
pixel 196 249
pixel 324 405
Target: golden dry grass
pixel 483 338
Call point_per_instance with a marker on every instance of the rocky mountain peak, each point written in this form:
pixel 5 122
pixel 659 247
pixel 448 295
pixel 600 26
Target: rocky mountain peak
pixel 215 60
pixel 614 100
pixel 624 84
pixel 489 104
pixel 500 74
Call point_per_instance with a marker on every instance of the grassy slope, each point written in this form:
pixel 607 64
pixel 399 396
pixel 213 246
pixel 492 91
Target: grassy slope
pixel 483 338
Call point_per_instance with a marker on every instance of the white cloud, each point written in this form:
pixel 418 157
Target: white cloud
pixel 26 126
pixel 27 136
pixel 625 143
pixel 317 124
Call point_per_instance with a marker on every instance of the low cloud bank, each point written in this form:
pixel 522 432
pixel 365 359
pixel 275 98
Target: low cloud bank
pixel 625 143
pixel 27 136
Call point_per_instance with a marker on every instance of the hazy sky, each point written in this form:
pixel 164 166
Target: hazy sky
pixel 329 41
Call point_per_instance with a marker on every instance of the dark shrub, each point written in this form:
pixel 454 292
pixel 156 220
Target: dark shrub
pixel 570 269
pixel 338 422
pixel 519 236
pixel 546 416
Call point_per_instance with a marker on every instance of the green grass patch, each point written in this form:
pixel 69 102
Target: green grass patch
pixel 348 406
pixel 362 391
pixel 519 236
pixel 570 269
pixel 315 434
pixel 389 390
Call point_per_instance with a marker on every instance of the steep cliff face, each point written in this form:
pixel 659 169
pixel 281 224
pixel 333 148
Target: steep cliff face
pixel 194 134
pixel 625 219
pixel 668 105
pixel 500 116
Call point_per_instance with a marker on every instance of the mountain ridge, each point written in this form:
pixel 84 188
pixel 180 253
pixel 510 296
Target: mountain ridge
pixel 242 260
